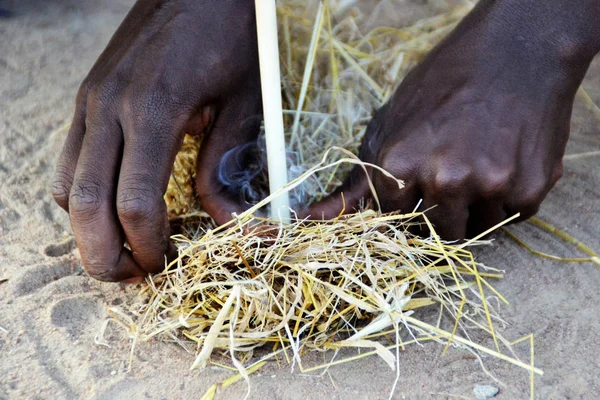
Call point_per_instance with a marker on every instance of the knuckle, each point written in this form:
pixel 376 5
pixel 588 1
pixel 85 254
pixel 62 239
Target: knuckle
pixel 85 199
pixel 399 167
pixel 137 202
pixel 61 187
pixel 101 95
pixel 149 105
pixel 388 162
pixel 496 184
pixel 84 88
pixel 451 179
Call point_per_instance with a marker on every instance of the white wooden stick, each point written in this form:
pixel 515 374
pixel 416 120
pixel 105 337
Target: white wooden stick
pixel 270 74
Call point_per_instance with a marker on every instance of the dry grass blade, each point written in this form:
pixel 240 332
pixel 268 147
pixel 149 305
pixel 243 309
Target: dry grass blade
pixel 593 257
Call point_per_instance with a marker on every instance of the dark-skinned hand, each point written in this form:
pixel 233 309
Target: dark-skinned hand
pixel 173 66
pixel 478 130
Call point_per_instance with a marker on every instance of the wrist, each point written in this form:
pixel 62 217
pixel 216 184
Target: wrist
pixel 567 30
pixel 550 37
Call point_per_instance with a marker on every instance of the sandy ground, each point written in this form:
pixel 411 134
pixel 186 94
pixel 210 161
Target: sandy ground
pixel 50 310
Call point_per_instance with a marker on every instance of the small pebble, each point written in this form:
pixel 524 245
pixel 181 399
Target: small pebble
pixel 485 392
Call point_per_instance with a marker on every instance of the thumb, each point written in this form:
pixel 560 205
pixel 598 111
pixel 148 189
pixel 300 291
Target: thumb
pixel 356 188
pixel 345 200
pixel 228 158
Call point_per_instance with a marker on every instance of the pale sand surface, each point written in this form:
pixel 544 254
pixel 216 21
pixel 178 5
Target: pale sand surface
pixel 51 310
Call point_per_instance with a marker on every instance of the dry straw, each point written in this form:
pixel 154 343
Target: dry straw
pixel 252 291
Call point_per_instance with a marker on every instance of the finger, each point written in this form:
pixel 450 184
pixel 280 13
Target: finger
pixel 404 201
pixel 394 199
pixel 92 205
pixel 448 216
pixel 227 145
pixel 148 155
pixel 407 199
pixel 355 190
pixel 484 215
pixel 525 211
pixel 345 200
pixel 67 161
pixel 526 199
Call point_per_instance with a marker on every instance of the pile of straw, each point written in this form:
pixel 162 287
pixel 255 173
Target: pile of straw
pixel 291 288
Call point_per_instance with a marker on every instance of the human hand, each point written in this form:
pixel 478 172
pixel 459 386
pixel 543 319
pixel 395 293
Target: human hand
pixel 172 67
pixel 478 130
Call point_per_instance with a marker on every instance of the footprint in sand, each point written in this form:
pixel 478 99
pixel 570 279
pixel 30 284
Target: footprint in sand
pixel 8 216
pixel 130 389
pixel 77 314
pixel 60 249
pixel 36 277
